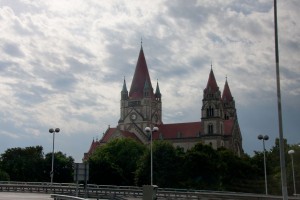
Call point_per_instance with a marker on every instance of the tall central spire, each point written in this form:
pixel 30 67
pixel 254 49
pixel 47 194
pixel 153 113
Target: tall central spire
pixel 212 85
pixel 141 76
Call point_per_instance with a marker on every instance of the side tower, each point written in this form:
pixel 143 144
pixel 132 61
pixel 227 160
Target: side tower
pixel 141 107
pixel 228 103
pixel 212 113
pixel 231 121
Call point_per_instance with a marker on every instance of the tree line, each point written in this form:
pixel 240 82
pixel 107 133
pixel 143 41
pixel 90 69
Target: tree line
pixel 125 161
pixel 31 165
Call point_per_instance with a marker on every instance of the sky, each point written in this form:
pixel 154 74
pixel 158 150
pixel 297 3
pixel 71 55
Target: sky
pixel 63 62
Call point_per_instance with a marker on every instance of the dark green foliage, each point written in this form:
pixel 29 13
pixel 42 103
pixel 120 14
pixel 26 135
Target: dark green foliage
pixel 29 164
pixel 237 174
pixel 23 164
pixel 201 167
pixel 3 176
pixel 115 162
pixel 63 167
pixel 166 166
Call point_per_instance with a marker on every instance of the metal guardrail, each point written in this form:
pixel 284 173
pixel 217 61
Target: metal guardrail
pixel 71 189
pixel 122 192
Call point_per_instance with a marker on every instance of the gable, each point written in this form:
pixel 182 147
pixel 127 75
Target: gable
pixel 179 130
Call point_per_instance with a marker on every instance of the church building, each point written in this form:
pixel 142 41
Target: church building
pixel 141 107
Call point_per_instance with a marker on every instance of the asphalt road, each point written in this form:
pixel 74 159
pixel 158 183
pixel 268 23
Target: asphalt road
pixel 23 196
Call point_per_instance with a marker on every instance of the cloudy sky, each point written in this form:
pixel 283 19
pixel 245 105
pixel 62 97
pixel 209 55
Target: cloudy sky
pixel 62 64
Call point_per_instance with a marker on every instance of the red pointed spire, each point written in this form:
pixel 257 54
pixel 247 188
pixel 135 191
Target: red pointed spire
pixel 141 76
pixel 212 85
pixel 226 95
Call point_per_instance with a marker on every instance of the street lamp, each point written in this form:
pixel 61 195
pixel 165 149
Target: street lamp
pixel 148 130
pixel 263 138
pixel 53 131
pixel 291 152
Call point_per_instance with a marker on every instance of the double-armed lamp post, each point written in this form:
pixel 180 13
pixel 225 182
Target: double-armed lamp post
pixel 291 152
pixel 53 131
pixel 263 138
pixel 148 130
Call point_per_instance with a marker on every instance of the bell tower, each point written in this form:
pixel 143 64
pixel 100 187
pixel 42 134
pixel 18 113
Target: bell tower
pixel 212 108
pixel 141 107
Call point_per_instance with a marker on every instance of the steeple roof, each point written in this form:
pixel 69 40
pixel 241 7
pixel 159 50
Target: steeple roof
pixel 157 91
pixel 124 89
pixel 226 95
pixel 141 76
pixel 212 85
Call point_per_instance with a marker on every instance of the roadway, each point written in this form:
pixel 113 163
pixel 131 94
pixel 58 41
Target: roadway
pixel 24 196
pixel 30 196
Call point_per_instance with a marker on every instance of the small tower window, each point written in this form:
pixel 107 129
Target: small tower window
pixel 210 111
pixel 210 129
pixel 226 116
pixel 221 128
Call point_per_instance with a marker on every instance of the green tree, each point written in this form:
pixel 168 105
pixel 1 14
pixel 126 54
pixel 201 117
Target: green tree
pixel 63 167
pixel 201 167
pixel 23 164
pixel 116 162
pixel 238 173
pixel 166 166
pixel 3 176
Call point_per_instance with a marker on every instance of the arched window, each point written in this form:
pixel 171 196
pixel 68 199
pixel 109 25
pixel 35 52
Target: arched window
pixel 210 111
pixel 221 128
pixel 210 129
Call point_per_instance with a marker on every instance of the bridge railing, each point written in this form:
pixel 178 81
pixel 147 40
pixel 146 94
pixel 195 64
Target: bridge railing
pixel 112 191
pixel 105 191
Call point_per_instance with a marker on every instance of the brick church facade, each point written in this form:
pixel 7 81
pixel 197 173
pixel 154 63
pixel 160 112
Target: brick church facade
pixel 142 107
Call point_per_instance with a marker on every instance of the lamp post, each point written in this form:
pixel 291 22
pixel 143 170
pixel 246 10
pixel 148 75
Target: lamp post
pixel 53 131
pixel 263 138
pixel 291 152
pixel 148 130
pixel 281 142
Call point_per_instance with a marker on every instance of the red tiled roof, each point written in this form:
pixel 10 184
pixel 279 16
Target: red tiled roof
pixel 141 75
pixel 226 95
pixel 212 85
pixel 110 131
pixel 93 147
pixel 107 135
pixel 179 130
pixel 130 135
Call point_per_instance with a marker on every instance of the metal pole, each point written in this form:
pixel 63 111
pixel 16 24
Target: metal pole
pixel 293 174
pixel 281 143
pixel 52 172
pixel 265 168
pixel 151 158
